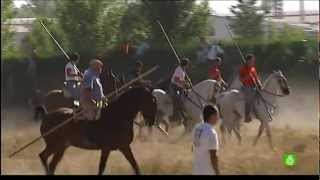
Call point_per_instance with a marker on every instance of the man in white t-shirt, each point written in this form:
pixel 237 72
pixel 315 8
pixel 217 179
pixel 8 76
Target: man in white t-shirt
pixel 206 144
pixel 72 76
pixel 178 88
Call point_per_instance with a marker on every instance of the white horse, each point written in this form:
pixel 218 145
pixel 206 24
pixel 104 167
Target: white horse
pixel 232 106
pixel 201 95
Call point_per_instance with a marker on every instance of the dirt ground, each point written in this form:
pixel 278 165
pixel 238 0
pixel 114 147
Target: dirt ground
pixel 295 125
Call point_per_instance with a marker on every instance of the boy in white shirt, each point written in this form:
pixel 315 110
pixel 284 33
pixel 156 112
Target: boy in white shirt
pixel 205 144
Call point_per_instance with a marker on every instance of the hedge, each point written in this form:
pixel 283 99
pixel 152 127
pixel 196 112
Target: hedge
pixel 272 56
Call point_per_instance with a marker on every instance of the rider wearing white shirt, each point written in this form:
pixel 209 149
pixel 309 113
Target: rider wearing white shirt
pixel 177 88
pixel 72 76
pixel 206 144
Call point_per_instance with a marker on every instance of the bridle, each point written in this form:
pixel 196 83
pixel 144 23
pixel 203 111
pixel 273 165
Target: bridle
pixel 275 94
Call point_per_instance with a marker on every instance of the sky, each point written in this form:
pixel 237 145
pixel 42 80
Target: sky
pixel 222 6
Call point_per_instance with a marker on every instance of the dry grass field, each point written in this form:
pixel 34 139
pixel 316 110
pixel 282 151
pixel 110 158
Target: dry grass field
pixel 297 124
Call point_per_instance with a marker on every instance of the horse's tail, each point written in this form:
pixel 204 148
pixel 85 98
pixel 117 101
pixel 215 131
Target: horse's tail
pixel 39 112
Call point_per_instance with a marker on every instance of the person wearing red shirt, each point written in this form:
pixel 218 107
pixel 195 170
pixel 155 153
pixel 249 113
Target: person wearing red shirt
pixel 251 83
pixel 215 73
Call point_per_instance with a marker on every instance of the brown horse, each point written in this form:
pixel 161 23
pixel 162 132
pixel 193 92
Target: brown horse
pixel 113 131
pixel 55 99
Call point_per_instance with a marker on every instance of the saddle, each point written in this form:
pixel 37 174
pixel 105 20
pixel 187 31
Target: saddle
pixel 66 93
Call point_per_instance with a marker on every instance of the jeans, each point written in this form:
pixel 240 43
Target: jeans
pixel 249 97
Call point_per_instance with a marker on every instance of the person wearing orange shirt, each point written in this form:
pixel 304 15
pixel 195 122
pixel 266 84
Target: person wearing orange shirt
pixel 251 83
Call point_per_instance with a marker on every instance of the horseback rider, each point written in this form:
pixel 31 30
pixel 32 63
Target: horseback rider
pixel 215 73
pixel 178 87
pixel 251 84
pixel 136 73
pixel 72 76
pixel 92 95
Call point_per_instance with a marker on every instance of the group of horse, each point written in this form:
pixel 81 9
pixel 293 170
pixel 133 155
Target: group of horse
pixel 114 129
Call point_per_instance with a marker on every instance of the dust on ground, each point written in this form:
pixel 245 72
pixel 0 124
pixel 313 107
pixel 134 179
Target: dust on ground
pixel 296 124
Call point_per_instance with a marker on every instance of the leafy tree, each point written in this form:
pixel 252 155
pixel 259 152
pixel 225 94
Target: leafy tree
pixel 25 11
pixel 248 19
pixel 134 24
pixel 7 45
pixel 39 40
pixel 172 14
pixel 80 20
pixel 197 26
pixel 37 8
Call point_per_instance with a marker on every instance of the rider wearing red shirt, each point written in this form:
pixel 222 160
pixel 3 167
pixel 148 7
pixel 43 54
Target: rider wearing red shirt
pixel 215 73
pixel 250 81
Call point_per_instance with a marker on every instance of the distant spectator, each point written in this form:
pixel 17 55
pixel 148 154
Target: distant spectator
pixel 203 50
pixel 215 51
pixel 141 49
pixel 32 70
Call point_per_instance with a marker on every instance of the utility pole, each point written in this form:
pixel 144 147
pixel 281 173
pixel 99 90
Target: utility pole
pixel 302 12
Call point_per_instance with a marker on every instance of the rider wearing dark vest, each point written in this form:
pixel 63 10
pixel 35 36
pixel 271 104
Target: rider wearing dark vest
pixel 178 88
pixel 251 84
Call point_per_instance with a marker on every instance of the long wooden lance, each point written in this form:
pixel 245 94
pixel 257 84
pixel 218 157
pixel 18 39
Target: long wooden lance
pixel 177 56
pixel 250 75
pixel 79 113
pixel 61 49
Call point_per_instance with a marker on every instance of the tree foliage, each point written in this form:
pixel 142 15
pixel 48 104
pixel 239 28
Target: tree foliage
pixel 90 26
pixel 7 45
pixel 134 24
pixel 184 21
pixel 248 19
pixel 41 42
pixel 37 8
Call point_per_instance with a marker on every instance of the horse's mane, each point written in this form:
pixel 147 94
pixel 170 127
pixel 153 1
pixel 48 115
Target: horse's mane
pixel 267 81
pixel 133 92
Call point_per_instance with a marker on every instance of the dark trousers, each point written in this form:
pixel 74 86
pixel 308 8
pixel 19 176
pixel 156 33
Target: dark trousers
pixel 177 94
pixel 250 93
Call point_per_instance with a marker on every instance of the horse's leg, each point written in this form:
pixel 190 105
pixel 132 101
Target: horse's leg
pixel 44 155
pixel 103 160
pixel 237 129
pixel 57 156
pixel 126 151
pixel 237 132
pixel 261 127
pixel 268 131
pixel 223 132
pixel 166 123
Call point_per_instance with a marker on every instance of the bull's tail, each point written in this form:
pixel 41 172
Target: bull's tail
pixel 39 112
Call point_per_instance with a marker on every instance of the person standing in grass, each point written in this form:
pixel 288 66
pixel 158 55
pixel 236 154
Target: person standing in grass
pixel 205 144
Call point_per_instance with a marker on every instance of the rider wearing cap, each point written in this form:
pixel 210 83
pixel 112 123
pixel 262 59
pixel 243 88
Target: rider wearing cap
pixel 178 87
pixel 73 76
pixel 251 84
pixel 92 92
